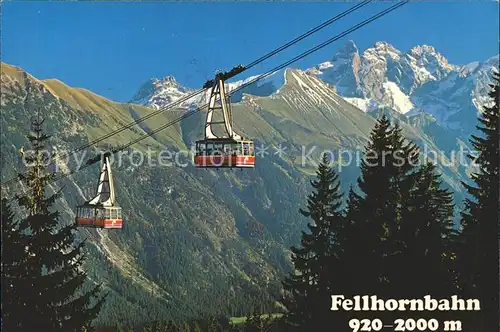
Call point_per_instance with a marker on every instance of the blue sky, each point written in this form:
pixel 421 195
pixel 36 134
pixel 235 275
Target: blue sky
pixel 112 48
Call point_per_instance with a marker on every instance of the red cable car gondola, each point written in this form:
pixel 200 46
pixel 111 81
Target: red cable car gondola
pixel 102 210
pixel 231 151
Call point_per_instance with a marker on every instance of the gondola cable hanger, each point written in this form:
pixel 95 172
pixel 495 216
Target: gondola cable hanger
pixel 103 211
pixel 194 111
pixel 189 113
pixel 204 89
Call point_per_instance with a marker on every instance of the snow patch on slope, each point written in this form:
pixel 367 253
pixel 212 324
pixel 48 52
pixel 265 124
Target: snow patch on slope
pixel 364 104
pixel 234 85
pixel 400 101
pixel 325 65
pixel 471 66
pixel 314 88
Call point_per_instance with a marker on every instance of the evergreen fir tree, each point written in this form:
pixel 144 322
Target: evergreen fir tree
pixel 477 255
pixel 350 244
pixel 13 260
pixel 397 242
pixel 375 215
pixel 372 241
pixel 52 277
pixel 308 290
pixel 424 265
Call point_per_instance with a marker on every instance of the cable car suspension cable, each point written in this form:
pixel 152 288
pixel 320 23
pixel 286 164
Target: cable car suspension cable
pixel 250 65
pixel 312 50
pixel 310 32
pixel 197 92
pixel 320 46
pixel 192 112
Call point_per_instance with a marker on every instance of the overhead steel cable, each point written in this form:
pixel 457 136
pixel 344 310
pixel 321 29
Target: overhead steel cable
pixel 193 94
pixel 320 46
pixel 308 33
pixel 312 50
pixel 117 131
pixel 131 124
pixel 197 92
pixel 304 54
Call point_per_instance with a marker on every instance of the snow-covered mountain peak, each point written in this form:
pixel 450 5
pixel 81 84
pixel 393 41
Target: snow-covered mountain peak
pixel 382 46
pixel 338 71
pixel 494 61
pixel 419 80
pixel 345 55
pixel 482 70
pixel 428 58
pixel 166 81
pixel 157 93
pixel 347 51
pixel 469 68
pixel 423 49
pixel 382 50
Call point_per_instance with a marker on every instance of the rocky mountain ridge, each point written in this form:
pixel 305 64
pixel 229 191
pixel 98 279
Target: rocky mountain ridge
pixel 420 80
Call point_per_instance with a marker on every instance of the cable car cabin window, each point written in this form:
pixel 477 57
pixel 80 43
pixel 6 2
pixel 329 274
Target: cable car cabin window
pixel 107 214
pixel 218 148
pixel 119 213
pixel 250 149
pixel 246 149
pixel 100 214
pixel 113 214
pixel 236 149
pixel 201 149
pixel 209 148
pixel 85 213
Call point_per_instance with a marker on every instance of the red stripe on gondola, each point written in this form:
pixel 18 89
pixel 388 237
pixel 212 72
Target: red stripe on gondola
pixel 224 161
pixel 100 223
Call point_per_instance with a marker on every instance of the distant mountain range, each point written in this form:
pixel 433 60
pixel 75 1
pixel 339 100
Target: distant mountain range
pixel 418 81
